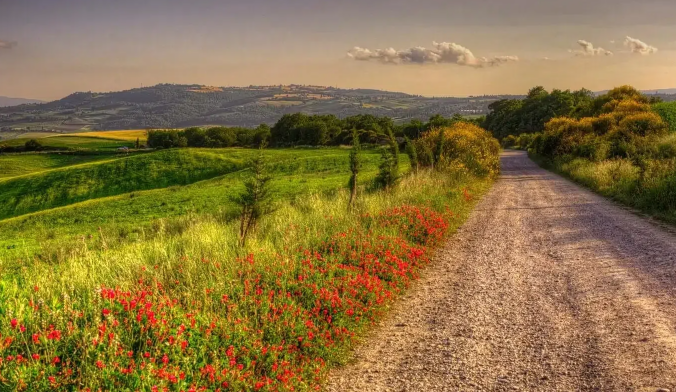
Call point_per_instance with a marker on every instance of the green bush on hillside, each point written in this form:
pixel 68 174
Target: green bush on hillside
pixel 667 110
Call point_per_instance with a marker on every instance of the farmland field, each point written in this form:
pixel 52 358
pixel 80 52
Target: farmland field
pixel 129 135
pixel 73 142
pixel 21 164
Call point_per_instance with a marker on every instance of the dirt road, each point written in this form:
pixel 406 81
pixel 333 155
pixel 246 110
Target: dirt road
pixel 547 287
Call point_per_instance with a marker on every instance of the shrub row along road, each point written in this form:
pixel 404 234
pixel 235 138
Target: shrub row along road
pixel 547 287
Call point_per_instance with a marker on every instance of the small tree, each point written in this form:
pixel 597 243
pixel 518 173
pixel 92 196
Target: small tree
pixel 138 143
pixel 256 199
pixel 389 164
pixel 439 150
pixel 32 145
pixel 355 166
pixel 412 154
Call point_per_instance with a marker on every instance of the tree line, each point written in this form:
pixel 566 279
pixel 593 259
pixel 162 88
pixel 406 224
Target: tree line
pixel 529 115
pixel 300 129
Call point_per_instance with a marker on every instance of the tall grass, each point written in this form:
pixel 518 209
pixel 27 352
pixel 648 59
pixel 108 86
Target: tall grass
pixel 130 216
pixel 189 308
pixel 649 187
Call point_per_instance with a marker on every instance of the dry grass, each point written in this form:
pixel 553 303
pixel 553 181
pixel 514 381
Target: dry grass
pixel 206 89
pixel 126 135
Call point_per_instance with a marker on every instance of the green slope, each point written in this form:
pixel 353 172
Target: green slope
pixel 122 217
pixel 12 165
pixel 54 188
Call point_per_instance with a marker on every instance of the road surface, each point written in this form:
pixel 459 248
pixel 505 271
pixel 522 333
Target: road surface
pixel 547 287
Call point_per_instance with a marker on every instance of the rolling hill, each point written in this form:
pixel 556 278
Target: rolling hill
pixel 173 106
pixel 8 101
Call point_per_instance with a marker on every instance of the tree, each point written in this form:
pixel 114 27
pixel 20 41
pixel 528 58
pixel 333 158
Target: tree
pixel 389 164
pixel 412 154
pixel 138 143
pixel 439 147
pixel 256 199
pixel 355 166
pixel 32 145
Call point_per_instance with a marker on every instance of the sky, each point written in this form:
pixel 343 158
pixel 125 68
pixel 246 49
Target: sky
pixel 51 48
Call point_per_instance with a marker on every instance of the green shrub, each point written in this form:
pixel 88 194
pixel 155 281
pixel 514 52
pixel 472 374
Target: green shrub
pixel 464 147
pixel 667 110
pixel 508 141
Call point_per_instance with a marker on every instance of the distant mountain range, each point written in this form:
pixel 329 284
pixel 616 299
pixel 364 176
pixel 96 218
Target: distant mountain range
pixel 174 106
pixel 668 91
pixel 7 101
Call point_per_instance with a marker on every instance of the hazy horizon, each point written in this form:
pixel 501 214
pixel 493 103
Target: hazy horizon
pixel 49 49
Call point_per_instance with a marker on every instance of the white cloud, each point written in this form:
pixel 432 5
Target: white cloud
pixel 639 47
pixel 7 44
pixel 588 49
pixel 442 52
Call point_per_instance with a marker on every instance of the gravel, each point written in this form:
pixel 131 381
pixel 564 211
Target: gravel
pixel 547 287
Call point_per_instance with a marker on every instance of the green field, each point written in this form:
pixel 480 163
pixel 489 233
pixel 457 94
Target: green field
pixel 12 165
pixel 131 273
pixel 112 196
pixel 74 142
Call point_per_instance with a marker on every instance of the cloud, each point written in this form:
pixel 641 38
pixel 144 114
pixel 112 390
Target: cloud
pixel 639 47
pixel 441 53
pixel 7 44
pixel 588 49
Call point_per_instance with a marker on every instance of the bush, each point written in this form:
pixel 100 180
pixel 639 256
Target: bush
pixel 644 124
pixel 667 110
pixel 508 141
pixel 32 145
pixel 464 147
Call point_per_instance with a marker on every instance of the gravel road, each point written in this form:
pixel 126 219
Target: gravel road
pixel 547 287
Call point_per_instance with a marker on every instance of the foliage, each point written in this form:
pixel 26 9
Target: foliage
pixel 255 201
pixel 508 141
pixel 412 154
pixel 461 147
pixel 355 167
pixel 32 145
pixel 389 165
pixel 667 110
pixel 214 137
pixel 513 117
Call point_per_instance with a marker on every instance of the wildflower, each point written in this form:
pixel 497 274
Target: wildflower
pixel 55 360
pixel 36 356
pixel 13 323
pixel 105 312
pixel 100 364
pixel 54 335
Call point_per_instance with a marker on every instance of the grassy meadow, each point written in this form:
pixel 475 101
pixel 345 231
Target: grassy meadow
pixel 68 142
pixel 116 204
pixel 14 165
pixel 152 290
